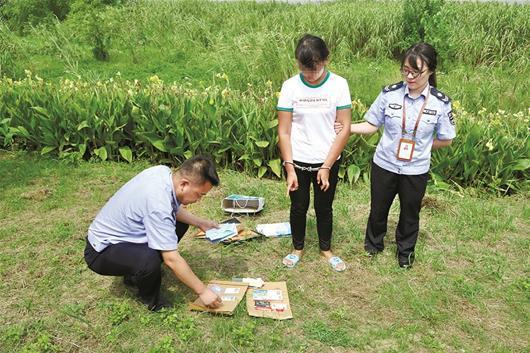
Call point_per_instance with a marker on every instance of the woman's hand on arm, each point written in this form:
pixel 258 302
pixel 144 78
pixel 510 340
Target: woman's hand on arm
pixel 364 128
pixel 436 144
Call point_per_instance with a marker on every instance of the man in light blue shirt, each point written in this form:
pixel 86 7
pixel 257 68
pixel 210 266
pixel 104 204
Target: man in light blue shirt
pixel 141 225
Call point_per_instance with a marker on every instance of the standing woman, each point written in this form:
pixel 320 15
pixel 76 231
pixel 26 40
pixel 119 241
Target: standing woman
pixel 308 106
pixel 417 118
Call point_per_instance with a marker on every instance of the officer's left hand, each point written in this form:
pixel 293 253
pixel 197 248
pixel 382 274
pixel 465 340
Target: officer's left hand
pixel 205 224
pixel 337 127
pixel 323 179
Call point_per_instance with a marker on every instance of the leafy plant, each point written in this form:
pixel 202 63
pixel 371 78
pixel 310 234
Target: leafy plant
pixel 121 120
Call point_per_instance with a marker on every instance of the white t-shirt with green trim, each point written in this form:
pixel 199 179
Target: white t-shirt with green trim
pixel 314 109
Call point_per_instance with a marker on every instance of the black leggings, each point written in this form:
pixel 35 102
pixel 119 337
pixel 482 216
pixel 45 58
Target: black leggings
pixel 323 204
pixel 138 261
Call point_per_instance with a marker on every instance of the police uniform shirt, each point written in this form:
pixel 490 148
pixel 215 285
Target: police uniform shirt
pixel 436 121
pixel 141 211
pixel 314 109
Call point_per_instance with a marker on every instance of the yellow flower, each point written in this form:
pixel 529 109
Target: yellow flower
pixel 489 145
pixel 154 79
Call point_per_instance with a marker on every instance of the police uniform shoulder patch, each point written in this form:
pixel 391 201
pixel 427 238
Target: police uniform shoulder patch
pixel 440 95
pixel 393 87
pixel 451 117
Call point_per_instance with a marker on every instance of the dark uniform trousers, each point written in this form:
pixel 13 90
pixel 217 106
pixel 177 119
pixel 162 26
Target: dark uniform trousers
pixel 384 187
pixel 138 263
pixel 323 203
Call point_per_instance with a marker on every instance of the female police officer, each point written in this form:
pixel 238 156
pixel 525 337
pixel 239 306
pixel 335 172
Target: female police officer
pixel 417 118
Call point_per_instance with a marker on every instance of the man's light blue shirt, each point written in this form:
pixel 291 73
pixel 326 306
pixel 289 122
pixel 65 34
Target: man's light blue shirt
pixel 437 121
pixel 141 211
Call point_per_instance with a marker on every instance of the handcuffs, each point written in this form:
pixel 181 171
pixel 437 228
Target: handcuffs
pixel 305 169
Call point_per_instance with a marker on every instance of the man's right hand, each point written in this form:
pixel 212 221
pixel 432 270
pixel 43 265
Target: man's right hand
pixel 210 299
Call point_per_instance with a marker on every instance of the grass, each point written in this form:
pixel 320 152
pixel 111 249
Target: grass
pixel 483 46
pixel 468 291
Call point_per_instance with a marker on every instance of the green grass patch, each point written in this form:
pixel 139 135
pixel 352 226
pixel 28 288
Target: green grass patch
pixel 467 291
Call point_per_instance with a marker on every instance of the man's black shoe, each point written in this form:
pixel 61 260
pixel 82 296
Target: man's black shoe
pixel 163 303
pixel 371 252
pixel 406 262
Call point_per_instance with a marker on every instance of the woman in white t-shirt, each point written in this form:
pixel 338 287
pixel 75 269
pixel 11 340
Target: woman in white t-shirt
pixel 309 105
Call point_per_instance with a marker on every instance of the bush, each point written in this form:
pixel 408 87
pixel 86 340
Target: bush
pixel 22 14
pixel 122 120
pixel 424 21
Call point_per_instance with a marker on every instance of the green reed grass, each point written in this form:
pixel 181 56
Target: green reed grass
pixel 254 43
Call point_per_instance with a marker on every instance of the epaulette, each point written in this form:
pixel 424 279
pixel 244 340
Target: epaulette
pixel 440 95
pixel 393 87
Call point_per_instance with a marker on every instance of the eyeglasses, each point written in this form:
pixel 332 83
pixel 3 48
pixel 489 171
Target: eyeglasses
pixel 414 74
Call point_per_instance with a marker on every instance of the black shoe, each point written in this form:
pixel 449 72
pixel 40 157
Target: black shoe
pixel 371 252
pixel 163 303
pixel 406 262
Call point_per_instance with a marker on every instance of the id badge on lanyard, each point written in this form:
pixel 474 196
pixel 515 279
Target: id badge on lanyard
pixel 406 146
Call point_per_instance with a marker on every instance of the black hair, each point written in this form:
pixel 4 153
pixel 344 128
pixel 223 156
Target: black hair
pixel 199 169
pixel 427 54
pixel 311 50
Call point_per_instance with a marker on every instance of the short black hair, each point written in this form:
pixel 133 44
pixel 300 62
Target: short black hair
pixel 311 50
pixel 199 169
pixel 427 55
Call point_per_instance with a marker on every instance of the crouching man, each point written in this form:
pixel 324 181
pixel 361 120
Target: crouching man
pixel 141 225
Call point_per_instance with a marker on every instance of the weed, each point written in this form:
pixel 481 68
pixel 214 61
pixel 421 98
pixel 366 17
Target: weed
pixel 244 334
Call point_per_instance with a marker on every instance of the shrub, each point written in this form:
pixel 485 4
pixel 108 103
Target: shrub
pixel 121 120
pixel 22 14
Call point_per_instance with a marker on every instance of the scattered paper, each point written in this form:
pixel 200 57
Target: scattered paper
pixel 264 294
pixel 228 298
pixel 277 307
pixel 274 229
pixel 229 301
pixel 225 231
pixel 252 282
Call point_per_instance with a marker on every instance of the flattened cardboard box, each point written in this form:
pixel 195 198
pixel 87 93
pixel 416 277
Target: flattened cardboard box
pixel 233 293
pixel 242 234
pixel 273 309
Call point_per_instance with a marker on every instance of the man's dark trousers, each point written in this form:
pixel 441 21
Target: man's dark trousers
pixel 137 262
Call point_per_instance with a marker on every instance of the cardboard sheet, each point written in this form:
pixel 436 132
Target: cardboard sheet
pixel 242 235
pixel 232 293
pixel 270 301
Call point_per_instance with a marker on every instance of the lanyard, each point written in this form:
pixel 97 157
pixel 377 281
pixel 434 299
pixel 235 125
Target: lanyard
pixel 403 131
